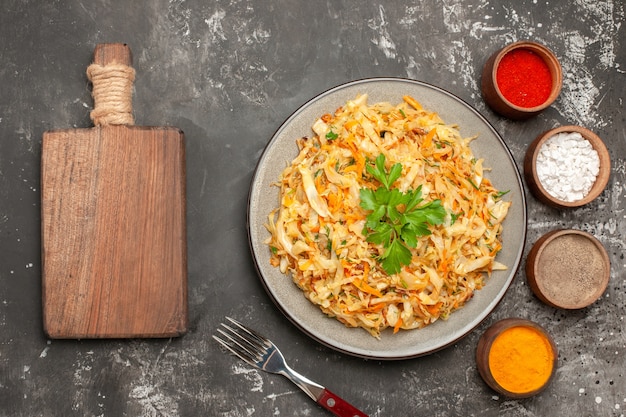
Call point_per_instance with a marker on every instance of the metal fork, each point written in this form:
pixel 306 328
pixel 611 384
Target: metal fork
pixel 261 353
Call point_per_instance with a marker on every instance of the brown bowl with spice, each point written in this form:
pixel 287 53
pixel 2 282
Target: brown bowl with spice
pixel 568 269
pixel 517 358
pixel 567 167
pixel 521 80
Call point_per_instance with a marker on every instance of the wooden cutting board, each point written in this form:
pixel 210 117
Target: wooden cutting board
pixel 113 218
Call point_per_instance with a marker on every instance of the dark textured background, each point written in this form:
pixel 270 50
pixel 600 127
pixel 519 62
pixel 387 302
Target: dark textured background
pixel 228 74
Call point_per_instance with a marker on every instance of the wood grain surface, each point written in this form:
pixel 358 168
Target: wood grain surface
pixel 113 230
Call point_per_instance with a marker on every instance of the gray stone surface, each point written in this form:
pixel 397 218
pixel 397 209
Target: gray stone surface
pixel 228 74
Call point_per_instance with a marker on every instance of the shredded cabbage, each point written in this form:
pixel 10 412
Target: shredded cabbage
pixel 316 232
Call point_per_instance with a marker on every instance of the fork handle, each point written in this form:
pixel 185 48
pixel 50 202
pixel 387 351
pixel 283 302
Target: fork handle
pixel 338 406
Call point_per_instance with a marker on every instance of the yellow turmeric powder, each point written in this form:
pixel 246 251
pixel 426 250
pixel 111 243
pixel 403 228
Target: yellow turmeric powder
pixel 521 359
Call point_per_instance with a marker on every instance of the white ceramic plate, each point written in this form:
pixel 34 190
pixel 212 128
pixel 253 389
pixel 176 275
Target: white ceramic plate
pixel 289 298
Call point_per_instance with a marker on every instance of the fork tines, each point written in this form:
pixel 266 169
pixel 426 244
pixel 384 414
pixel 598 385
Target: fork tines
pixel 242 342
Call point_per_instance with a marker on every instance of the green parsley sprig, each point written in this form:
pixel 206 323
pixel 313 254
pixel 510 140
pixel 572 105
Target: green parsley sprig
pixel 396 219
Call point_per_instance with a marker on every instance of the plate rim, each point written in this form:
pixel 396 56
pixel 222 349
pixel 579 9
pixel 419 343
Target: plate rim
pixel 361 353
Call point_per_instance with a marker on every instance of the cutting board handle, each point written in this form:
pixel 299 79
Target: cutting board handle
pixel 112 77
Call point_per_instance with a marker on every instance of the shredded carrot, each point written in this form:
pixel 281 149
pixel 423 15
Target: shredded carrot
pixel 398 325
pixel 434 309
pixel 334 202
pixel 443 265
pixel 428 139
pixel 365 287
pixel 412 102
pixel 375 308
pixel 319 184
pixel 306 265
pixel 350 124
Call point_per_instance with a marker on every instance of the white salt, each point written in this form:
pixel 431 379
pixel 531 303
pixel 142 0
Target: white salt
pixel 567 166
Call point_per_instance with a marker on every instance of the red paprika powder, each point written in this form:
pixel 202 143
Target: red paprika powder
pixel 524 78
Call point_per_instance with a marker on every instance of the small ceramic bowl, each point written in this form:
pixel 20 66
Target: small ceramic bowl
pixel 568 269
pixel 532 178
pixel 535 341
pixel 495 98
